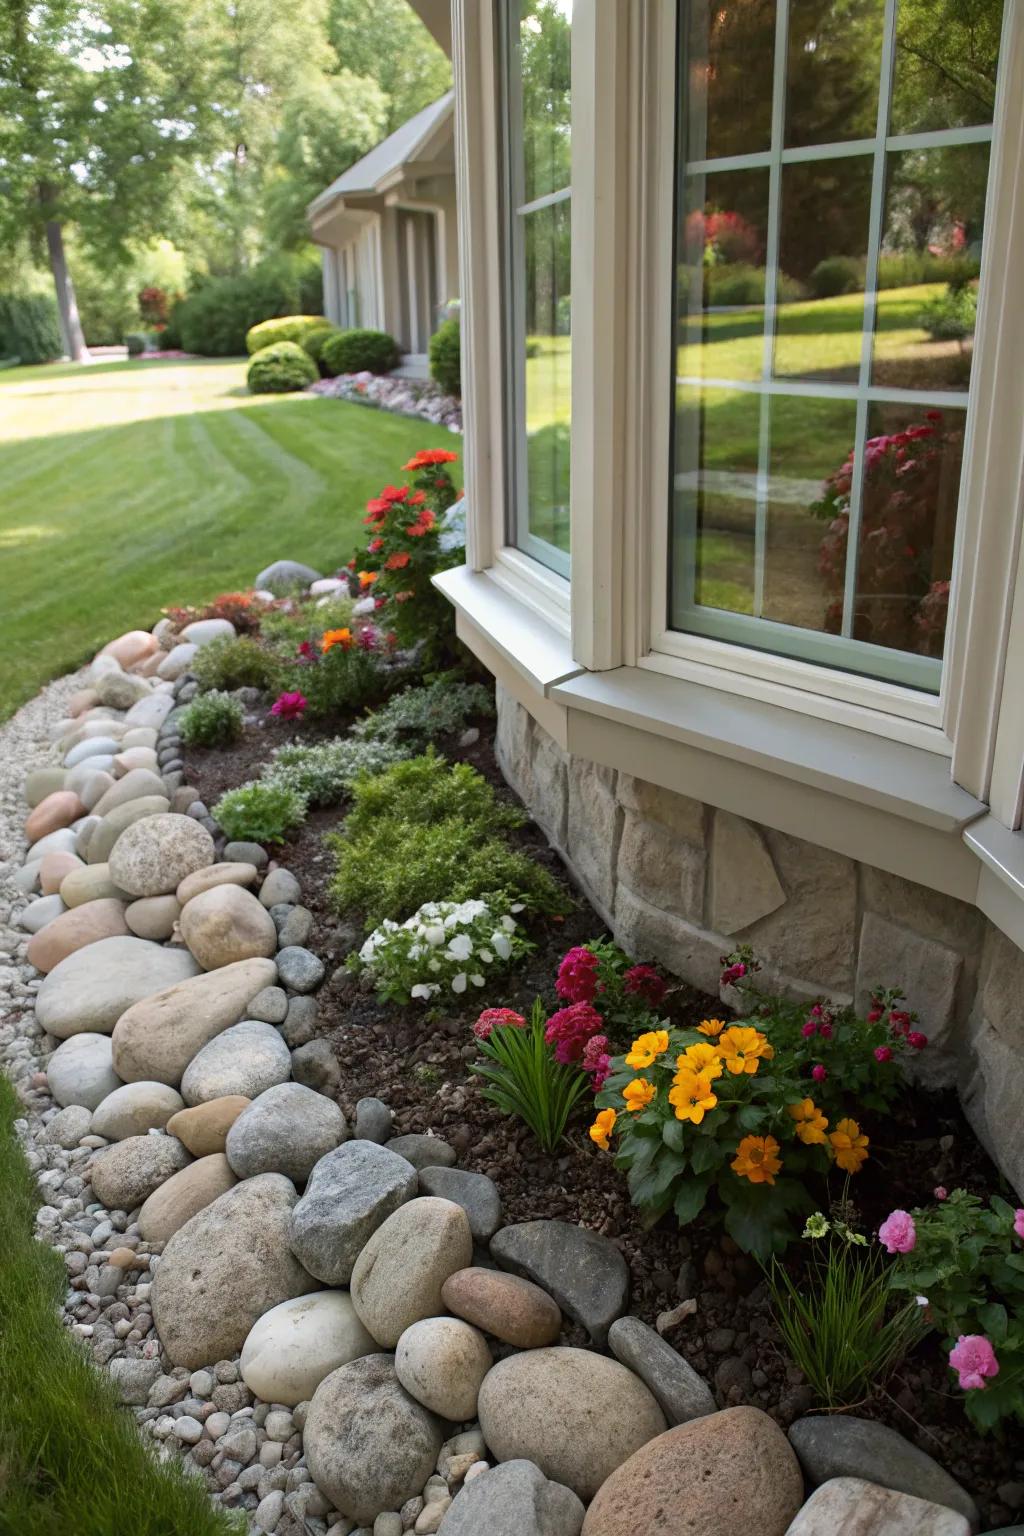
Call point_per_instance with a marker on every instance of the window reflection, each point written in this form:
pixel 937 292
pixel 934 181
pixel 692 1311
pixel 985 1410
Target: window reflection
pixel 834 55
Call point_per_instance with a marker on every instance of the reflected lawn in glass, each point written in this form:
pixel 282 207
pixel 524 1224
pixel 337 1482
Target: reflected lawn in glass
pixel 548 412
pixel 715 494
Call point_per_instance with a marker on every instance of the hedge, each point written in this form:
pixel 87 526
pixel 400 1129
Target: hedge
pixel 360 352
pixel 287 328
pixel 29 329
pixel 215 320
pixel 277 369
pixel 445 358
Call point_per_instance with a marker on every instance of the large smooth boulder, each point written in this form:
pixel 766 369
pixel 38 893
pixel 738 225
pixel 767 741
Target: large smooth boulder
pixel 583 1271
pixel 724 1470
pixel 247 1058
pixel 285 576
pixel 87 883
pixel 204 1128
pixel 108 830
pixel 515 1499
pixel 134 1109
pixel 846 1446
pixel 54 869
pixel 152 711
pixel 152 857
pixel 81 1071
pixel 225 924
pixel 849 1504
pixel 135 784
pixel 369 1446
pixel 441 1362
pixel 158 1037
pixel 202 631
pixel 296 1344
pixel 74 930
pixel 41 782
pixel 507 1306
pixel 131 647
pixel 153 917
pixel 183 1195
pixel 397 1278
pixel 40 914
pixel 576 1414
pixel 350 1193
pixel 287 1129
pixel 94 987
pixel 681 1393
pixel 224 1268
pixel 126 1174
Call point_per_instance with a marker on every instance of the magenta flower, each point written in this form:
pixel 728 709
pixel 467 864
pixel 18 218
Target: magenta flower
pixel 883 1053
pixel 569 1029
pixel 289 706
pixel 819 1073
pixel 973 1359
pixel 1018 1222
pixel 809 1029
pixel 898 1232
pixel 577 976
pixel 916 1040
pixel 497 1018
pixel 305 650
pixel 596 1061
pixel 644 981
pixel 941 1192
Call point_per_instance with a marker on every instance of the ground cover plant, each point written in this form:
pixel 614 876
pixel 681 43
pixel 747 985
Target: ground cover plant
pixel 228 663
pixel 211 720
pixel 417 717
pixel 70 1458
pixel 445 947
pixel 262 811
pixel 324 772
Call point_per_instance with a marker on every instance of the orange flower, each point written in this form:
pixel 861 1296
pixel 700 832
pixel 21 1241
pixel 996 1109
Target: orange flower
pixel 422 525
pixel 811 1124
pixel 430 456
pixel 333 637
pixel 849 1146
pixel 757 1159
pixel 711 1027
pixel 743 1048
pixel 646 1048
pixel 367 579
pixel 374 546
pixel 602 1128
pixel 638 1094
pixel 398 561
pixel 417 498
pixel 692 1095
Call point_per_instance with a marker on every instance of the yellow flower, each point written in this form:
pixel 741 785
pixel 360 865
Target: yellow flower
pixel 811 1124
pixel 646 1048
pixel 701 1058
pixel 638 1094
pixel 849 1146
pixel 711 1027
pixel 743 1048
pixel 602 1128
pixel 757 1159
pixel 692 1095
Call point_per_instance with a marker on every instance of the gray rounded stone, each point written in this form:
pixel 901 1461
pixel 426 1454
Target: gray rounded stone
pixel 247 1058
pixel 92 746
pixel 441 1362
pixel 270 1006
pixel 285 576
pixel 81 1071
pixel 681 1393
pixel 288 1129
pixel 67 1127
pixel 397 1278
pixel 350 1193
pixel 316 1066
pixel 515 1499
pixel 475 1192
pixel 246 853
pixel 299 969
pixel 374 1121
pixel 92 988
pixel 96 842
pixel 280 885
pixel 845 1446
pixel 583 1271
pixel 135 1109
pixel 126 1174
pixel 423 1151
pixel 297 1343
pixel 38 914
pixel 152 857
pixel 294 925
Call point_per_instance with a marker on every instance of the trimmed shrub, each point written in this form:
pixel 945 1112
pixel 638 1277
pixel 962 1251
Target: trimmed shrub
pixel 235 663
pixel 211 720
pixel 262 811
pixel 29 329
pixel 136 343
pixel 445 358
pixel 280 368
pixel 738 284
pixel 286 328
pixel 360 352
pixel 314 342
pixel 837 275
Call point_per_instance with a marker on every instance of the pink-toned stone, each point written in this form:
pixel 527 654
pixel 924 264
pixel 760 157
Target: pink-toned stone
pixel 85 698
pixel 53 869
pixel 94 920
pixel 150 666
pixel 58 810
pixel 215 874
pixel 130 648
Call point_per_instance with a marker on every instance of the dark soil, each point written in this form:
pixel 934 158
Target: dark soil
pixel 417 1061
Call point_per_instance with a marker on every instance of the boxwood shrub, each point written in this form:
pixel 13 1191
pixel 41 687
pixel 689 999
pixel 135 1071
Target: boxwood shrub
pixel 286 328
pixel 29 330
pixel 279 368
pixel 314 342
pixel 445 357
pixel 136 342
pixel 360 351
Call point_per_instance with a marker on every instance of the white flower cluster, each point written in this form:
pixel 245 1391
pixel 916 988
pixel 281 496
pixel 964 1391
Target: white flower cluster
pixel 445 946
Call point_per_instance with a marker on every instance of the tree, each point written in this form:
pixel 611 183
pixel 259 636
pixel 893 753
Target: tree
pixel 386 41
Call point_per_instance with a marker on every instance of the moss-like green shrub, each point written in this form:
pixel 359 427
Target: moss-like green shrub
pixel 136 342
pixel 446 357
pixel 239 662
pixel 216 318
pixel 285 328
pixel 426 830
pixel 211 720
pixel 326 771
pixel 952 315
pixel 359 352
pixel 281 368
pixel 314 342
pixel 836 275
pixel 29 329
pixel 263 811
pixel 418 716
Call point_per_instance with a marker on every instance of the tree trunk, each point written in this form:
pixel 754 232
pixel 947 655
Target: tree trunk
pixel 67 307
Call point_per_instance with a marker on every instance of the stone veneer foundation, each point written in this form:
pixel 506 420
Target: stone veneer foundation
pixel 682 882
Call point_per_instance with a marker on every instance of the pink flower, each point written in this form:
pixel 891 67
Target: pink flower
pixel 289 706
pixel 826 1031
pixel 973 1358
pixel 597 1061
pixel 305 650
pixel 569 1029
pixel 1018 1222
pixel 940 1192
pixel 577 976
pixel 898 1232
pixel 733 973
pixel 916 1040
pixel 883 1053
pixel 497 1018
pixel 819 1073
pixel 644 981
pixel 809 1029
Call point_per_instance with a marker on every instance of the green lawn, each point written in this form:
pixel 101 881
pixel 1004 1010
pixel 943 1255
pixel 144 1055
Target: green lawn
pixel 125 487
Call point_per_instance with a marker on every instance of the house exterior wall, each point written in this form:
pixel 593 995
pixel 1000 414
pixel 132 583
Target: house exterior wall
pixel 352 288
pixel 682 882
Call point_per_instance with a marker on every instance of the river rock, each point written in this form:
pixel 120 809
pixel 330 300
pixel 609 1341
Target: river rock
pixel 423 1151
pixel 374 1121
pixel 58 810
pixel 74 930
pixel 152 857
pixel 845 1446
pixel 158 1037
pixel 246 1059
pixel 350 1193
pixel 153 917
pixel 475 1192
pixel 316 1066
pixel 295 1345
pixel 111 828
pixel 93 786
pixel 299 969
pixel 138 784
pixel 134 1109
pixel 118 690
pixel 369 1446
pixel 40 914
pixel 130 648
pixel 397 1278
pixel 441 1362
pixel 177 661
pixel 234 873
pixel 152 711
pixel 512 1309
pixel 183 1195
pixel 280 885
pixel 515 1499
pixel 89 882
pixel 720 1469
pixel 224 1268
pixel 287 1130
pixel 204 1128
pixel 226 923
pixel 92 746
pixel 40 782
pixel 131 758
pixel 202 631
pixel 64 841
pixel 91 989
pixel 54 868
pixel 286 576
pixel 80 1071
pixel 126 1174
pixel 583 1271
pixel 681 1394
pixel 270 1005
pixel 851 1504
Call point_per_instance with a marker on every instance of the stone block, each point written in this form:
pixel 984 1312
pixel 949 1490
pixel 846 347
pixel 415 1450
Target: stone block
pixel 549 796
pixel 744 885
pixel 679 813
pixel 992 1093
pixel 813 934
pixel 928 973
pixel 931 913
pixel 1002 986
pixel 594 826
pixel 646 933
pixel 513 742
pixel 661 868
pixel 850 1504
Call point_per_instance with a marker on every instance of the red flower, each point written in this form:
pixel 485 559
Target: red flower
pixel 883 1053
pixel 398 561
pixel 430 456
pixel 819 1073
pixel 497 1018
pixel 422 525
pixel 597 1061
pixel 375 546
pixel 577 976
pixel 644 981
pixel 569 1029
pixel 417 498
pixel 393 493
pixel 305 650
pixel 916 1040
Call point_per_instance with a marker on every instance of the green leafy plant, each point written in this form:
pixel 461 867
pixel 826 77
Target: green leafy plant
pixel 951 316
pixel 211 720
pixel 357 351
pixel 325 771
pixel 239 662
pixel 285 328
pixel 314 341
pixel 280 369
pixel 445 357
pixel 29 330
pixel 416 717
pixel 836 275
pixel 523 1078
pixel 136 342
pixel 425 826
pixel 304 620
pixel 261 811
pixel 445 947
pixel 346 670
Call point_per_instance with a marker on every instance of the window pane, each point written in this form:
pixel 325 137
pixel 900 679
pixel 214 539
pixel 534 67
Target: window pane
pixel 946 55
pixel 834 57
pixel 907 525
pixel 721 275
pixel 547 366
pixel 823 243
pixel 728 89
pixel 544 65
pixel 716 499
pixel 929 265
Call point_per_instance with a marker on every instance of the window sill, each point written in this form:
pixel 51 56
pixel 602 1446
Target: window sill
pixel 1001 886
